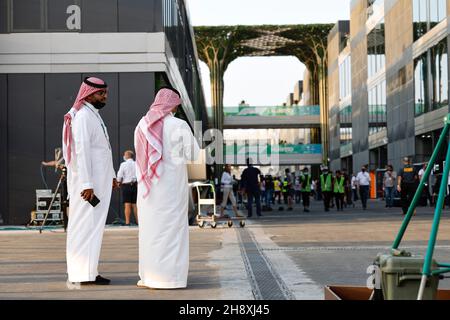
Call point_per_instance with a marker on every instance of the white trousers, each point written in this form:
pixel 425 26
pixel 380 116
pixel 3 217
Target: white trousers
pixel 228 193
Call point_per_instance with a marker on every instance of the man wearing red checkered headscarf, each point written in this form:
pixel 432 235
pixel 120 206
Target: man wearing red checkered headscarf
pixel 90 176
pixel 163 144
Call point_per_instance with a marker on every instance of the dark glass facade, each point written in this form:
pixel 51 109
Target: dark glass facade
pixel 94 15
pixel 175 23
pixel 377 107
pixel 31 123
pixel 376 61
pixel 431 79
pixel 345 121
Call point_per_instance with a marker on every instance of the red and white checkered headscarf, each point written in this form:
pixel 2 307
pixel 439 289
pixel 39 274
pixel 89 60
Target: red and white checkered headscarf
pixel 148 139
pixel 89 86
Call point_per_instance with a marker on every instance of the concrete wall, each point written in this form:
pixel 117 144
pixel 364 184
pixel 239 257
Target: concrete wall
pixel 399 81
pixel 333 50
pixel 360 117
pixel 34 128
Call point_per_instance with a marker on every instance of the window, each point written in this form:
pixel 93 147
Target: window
pixel 377 107
pixel 420 81
pixel 431 79
pixel 439 75
pixel 345 121
pixel 426 15
pixel 376 58
pixel 27 15
pixel 345 77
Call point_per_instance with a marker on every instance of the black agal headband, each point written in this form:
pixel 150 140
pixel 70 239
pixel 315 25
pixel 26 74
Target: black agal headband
pixel 95 85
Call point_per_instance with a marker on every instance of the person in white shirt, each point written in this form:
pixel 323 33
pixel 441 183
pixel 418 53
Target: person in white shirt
pixel 227 185
pixel 354 184
pixel 363 180
pixel 426 187
pixel 126 176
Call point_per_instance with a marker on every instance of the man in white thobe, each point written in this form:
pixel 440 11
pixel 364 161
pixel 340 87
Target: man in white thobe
pixel 90 173
pixel 163 143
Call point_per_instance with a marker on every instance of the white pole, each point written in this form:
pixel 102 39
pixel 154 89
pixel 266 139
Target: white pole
pixel 422 287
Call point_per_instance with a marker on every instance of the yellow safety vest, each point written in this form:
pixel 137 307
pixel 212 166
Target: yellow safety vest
pixel 325 185
pixel 276 185
pixel 308 183
pixel 339 185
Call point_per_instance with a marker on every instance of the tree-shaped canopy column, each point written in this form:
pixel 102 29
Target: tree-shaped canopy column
pixel 218 46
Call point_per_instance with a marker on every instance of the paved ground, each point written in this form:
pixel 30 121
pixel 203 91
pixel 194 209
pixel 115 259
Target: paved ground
pixel 283 255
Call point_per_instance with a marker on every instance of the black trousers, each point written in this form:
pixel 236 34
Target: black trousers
pixel 326 195
pixel 257 196
pixel 364 193
pixel 407 194
pixel 339 200
pixel 305 198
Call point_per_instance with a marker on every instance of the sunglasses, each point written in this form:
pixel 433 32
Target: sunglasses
pixel 101 92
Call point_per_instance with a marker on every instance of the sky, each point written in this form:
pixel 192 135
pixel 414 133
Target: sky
pixel 262 81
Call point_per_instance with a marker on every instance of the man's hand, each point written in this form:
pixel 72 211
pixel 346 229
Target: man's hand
pixel 115 184
pixel 399 189
pixel 87 194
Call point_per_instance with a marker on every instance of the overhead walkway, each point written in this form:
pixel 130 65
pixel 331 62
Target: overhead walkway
pixel 247 117
pixel 286 154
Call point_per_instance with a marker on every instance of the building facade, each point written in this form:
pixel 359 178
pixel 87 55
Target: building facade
pixel 48 46
pixel 388 83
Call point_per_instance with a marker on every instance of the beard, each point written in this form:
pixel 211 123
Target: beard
pixel 98 105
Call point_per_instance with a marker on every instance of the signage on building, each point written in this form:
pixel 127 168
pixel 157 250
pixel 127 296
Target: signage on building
pixel 73 22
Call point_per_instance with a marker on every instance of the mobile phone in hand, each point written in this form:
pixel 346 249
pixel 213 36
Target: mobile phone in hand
pixel 95 201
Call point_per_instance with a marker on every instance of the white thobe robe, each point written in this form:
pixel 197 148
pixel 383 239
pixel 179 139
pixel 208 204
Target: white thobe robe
pixel 91 167
pixel 163 214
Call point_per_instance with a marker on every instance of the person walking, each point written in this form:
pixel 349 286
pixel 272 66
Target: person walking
pixel 250 184
pixel 305 188
pixel 354 185
pixel 407 181
pixel 227 187
pixel 426 196
pixel 290 192
pixel 277 190
pixel 269 191
pixel 298 189
pixel 347 189
pixel 326 182
pixel 363 179
pixel 338 190
pixel 389 181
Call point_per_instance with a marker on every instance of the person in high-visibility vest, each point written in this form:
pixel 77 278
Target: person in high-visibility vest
pixel 339 190
pixel 277 189
pixel 305 188
pixel 326 182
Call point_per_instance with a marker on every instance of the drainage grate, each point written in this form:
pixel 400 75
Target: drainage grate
pixel 265 281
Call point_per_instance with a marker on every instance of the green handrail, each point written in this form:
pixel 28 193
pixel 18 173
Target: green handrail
pixel 439 271
pixel 437 216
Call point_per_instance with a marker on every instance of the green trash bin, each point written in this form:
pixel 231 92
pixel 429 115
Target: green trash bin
pixel 401 276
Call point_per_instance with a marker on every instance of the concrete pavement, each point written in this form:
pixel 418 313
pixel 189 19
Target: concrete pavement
pixel 282 255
